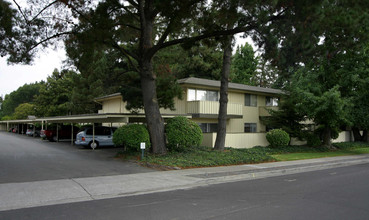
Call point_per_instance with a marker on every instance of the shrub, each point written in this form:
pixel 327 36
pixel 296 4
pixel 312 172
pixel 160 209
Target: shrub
pixel 313 140
pixel 118 137
pixel 182 134
pixel 278 138
pixel 130 136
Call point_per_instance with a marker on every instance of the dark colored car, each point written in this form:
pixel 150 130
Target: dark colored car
pixel 63 132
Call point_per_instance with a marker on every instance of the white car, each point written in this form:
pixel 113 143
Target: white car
pixel 103 137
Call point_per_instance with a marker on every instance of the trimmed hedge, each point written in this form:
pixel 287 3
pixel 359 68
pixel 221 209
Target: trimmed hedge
pixel 278 138
pixel 182 134
pixel 130 136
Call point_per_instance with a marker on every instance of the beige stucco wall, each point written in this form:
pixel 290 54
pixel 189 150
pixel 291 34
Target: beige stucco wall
pixel 343 136
pixel 249 140
pixel 237 140
pixel 116 105
pixel 3 127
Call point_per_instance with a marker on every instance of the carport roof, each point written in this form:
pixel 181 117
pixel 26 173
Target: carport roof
pixel 87 118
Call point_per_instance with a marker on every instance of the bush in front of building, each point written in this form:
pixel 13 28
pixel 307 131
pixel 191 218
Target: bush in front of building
pixel 278 138
pixel 130 136
pixel 182 134
pixel 313 140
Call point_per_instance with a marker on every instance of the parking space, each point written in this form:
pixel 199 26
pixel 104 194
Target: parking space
pixel 24 159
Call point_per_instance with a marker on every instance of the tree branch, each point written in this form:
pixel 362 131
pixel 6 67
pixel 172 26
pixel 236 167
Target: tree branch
pixel 126 54
pixel 50 38
pixel 134 4
pixel 20 10
pixel 46 7
pixel 201 37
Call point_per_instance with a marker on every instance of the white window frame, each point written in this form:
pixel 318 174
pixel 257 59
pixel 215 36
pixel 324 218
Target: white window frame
pixel 197 95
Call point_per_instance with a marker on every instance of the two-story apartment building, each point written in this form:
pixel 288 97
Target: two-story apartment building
pixel 200 103
pixel 246 106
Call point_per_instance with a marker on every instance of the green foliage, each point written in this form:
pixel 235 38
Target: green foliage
pixel 200 60
pixel 313 140
pixel 319 131
pixel 207 157
pixel 7 23
pixel 287 117
pixel 167 89
pixel 244 65
pixel 55 95
pixel 130 136
pixel 24 110
pixel 278 138
pixel 7 117
pixel 118 136
pixel 24 94
pixel 350 145
pixel 182 134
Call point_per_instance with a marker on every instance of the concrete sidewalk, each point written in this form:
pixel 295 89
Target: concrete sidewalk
pixel 41 193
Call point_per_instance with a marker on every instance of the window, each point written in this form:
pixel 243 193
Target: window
pixel 251 100
pixel 250 127
pixel 202 95
pixel 208 127
pixel 271 101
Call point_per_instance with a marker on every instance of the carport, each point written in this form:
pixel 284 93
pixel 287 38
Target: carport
pixel 72 119
pixel 79 119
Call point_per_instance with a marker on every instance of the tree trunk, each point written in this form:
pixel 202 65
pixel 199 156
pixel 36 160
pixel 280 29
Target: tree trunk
pixel 155 122
pixel 223 101
pixel 327 137
pixel 357 135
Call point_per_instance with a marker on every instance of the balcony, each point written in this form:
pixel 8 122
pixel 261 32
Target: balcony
pixel 210 109
pixel 263 110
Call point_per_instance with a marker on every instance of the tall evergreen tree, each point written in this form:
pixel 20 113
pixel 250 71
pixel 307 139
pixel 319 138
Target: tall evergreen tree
pixel 55 95
pixel 244 66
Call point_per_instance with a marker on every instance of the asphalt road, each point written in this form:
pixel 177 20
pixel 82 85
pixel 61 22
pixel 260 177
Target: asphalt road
pixel 340 193
pixel 25 159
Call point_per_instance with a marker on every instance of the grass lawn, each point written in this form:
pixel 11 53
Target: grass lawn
pixel 303 156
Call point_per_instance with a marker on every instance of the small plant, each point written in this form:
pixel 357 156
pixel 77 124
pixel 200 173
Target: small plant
pixel 182 134
pixel 130 136
pixel 278 138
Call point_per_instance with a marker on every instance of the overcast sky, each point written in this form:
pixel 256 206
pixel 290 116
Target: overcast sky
pixel 14 76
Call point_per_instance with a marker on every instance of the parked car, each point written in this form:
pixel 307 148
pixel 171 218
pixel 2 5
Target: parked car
pixel 64 132
pixel 29 132
pixel 103 137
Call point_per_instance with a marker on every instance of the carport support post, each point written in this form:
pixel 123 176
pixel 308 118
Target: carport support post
pixel 93 135
pixel 34 131
pixel 72 133
pixel 57 132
